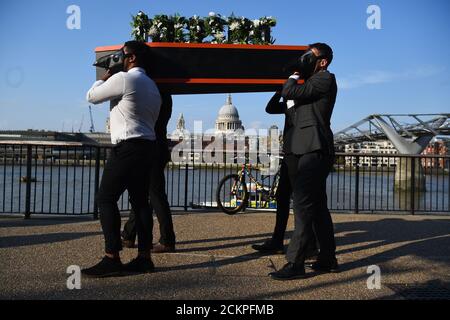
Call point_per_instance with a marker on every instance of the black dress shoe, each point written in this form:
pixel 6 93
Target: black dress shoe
pixel 290 271
pixel 107 267
pixel 139 265
pixel 268 247
pixel 322 266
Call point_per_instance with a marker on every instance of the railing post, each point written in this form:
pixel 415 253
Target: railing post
pixel 186 176
pixel 357 186
pixel 186 172
pixel 413 183
pixel 447 161
pixel 28 184
pixel 97 181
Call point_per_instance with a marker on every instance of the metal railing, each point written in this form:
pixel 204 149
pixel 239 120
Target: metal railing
pixel 63 178
pixel 390 183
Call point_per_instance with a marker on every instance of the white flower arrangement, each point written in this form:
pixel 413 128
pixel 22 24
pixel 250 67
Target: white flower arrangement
pixel 197 32
pixel 239 30
pixel 141 26
pixel 176 28
pixel 179 27
pixel 262 29
pixel 214 27
pixel 162 29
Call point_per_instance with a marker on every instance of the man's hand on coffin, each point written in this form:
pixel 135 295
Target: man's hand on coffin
pixel 107 75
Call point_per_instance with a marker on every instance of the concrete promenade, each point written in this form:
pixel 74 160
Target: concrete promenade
pixel 214 259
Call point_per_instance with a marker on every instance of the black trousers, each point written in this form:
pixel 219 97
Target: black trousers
pixel 310 208
pixel 127 168
pixel 283 197
pixel 288 171
pixel 159 203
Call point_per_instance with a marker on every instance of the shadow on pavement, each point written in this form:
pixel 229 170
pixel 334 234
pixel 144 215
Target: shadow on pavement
pixel 250 236
pixel 428 239
pixel 35 221
pixel 35 239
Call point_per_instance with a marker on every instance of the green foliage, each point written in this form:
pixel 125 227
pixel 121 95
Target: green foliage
pixel 179 26
pixel 261 30
pixel 239 30
pixel 141 26
pixel 176 28
pixel 215 28
pixel 197 31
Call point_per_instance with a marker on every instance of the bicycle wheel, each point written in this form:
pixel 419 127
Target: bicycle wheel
pixel 231 194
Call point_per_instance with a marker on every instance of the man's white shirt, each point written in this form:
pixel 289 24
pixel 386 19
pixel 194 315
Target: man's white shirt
pixel 291 103
pixel 134 107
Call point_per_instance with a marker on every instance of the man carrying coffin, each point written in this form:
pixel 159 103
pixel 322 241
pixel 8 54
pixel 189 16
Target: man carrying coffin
pixel 157 193
pixel 311 143
pixel 134 109
pixel 284 191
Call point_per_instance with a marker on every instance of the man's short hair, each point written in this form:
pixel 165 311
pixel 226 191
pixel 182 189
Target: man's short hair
pixel 138 48
pixel 324 50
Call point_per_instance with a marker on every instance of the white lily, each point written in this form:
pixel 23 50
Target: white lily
pixel 153 31
pixel 212 14
pixel 234 26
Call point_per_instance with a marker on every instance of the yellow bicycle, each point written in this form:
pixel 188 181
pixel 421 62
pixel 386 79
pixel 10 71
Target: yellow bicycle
pixel 233 191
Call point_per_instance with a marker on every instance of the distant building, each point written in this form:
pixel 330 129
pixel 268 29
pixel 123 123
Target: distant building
pixel 436 147
pixel 228 119
pixel 226 144
pixel 108 125
pixel 371 147
pixel 54 136
pixel 180 131
pixel 38 135
pixel 275 134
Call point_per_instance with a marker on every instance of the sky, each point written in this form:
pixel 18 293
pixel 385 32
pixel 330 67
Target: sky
pixel 46 68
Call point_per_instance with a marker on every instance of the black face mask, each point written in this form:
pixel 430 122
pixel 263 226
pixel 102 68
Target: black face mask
pixel 307 64
pixel 113 62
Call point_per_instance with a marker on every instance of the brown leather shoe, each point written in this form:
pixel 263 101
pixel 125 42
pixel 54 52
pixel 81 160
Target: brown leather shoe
pixel 128 244
pixel 162 248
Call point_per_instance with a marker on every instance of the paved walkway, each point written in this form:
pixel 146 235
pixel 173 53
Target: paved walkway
pixel 214 259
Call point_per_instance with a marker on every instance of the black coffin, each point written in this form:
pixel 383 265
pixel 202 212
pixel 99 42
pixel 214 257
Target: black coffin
pixel 188 68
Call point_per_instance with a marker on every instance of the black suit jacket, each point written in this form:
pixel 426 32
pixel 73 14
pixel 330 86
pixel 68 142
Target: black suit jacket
pixel 308 133
pixel 275 106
